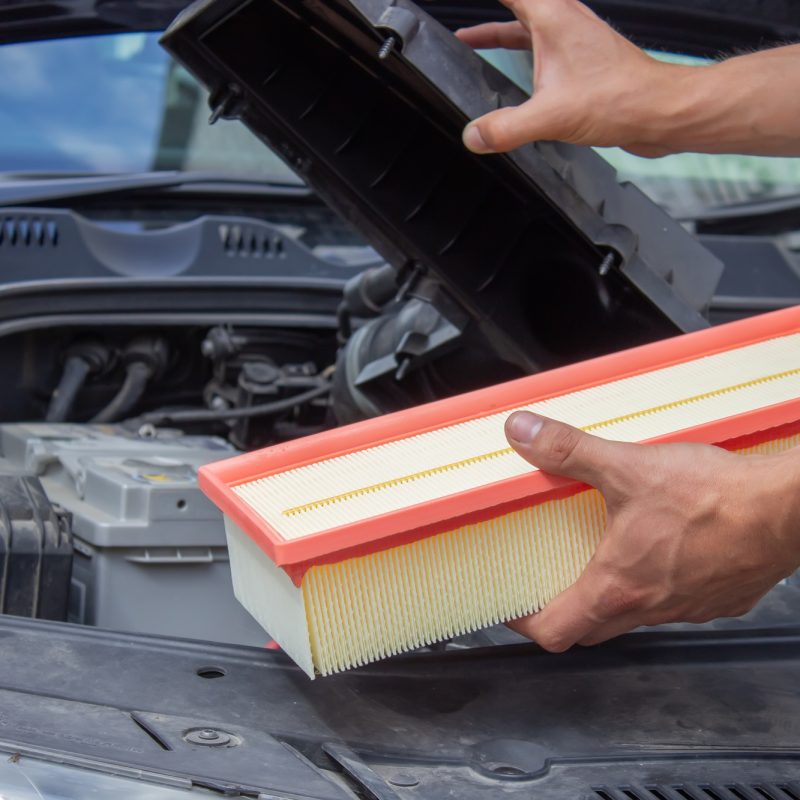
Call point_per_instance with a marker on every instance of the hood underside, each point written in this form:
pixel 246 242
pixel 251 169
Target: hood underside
pixel 698 30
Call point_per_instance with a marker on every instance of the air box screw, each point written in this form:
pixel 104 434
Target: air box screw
pixel 387 47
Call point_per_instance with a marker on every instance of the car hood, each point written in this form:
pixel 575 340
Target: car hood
pixel 650 22
pixel 680 714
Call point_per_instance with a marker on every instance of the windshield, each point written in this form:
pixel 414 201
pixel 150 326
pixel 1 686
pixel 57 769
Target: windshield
pixel 118 103
pixel 115 103
pixel 25 778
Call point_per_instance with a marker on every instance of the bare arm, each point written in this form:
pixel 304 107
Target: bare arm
pixel 594 87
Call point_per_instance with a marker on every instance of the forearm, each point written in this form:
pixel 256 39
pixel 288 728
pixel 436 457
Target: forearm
pixel 747 104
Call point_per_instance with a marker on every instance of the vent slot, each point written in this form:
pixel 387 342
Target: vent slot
pixel 683 791
pixel 24 232
pixel 241 241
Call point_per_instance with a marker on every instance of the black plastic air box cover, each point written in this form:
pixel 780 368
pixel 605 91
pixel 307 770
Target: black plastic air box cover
pixel 518 239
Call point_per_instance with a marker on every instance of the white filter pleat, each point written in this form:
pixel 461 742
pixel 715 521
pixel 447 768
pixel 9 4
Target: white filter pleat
pixel 367 608
pixel 389 477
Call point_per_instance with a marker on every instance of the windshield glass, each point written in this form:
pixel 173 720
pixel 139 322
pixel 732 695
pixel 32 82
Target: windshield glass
pixel 115 103
pixel 685 183
pixel 118 103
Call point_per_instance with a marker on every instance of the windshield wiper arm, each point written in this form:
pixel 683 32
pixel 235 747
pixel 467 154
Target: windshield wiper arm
pixel 766 207
pixel 18 190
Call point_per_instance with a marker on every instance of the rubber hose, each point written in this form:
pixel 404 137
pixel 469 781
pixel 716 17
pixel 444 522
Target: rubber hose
pixel 129 394
pixel 76 370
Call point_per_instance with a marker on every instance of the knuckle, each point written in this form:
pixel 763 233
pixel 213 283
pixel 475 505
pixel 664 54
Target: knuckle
pixel 700 617
pixel 616 603
pixel 546 11
pixel 616 599
pixel 562 444
pixel 495 132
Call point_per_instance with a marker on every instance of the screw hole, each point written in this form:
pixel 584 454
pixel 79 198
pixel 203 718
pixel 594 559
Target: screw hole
pixel 211 672
pixel 181 504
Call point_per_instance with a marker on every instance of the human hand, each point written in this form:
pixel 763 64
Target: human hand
pixel 693 532
pixel 592 85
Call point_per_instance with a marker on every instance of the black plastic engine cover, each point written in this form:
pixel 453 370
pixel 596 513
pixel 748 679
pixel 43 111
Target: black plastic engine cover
pixel 518 239
pixel 694 715
pixel 35 551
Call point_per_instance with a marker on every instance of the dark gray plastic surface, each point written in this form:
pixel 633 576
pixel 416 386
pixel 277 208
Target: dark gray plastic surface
pixel 686 709
pixel 38 244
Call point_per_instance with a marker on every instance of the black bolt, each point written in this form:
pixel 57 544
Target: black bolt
pixel 209 737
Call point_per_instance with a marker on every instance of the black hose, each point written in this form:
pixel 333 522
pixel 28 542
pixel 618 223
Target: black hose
pixel 133 387
pixel 76 370
pixel 275 407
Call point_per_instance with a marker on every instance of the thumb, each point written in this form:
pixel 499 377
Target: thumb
pixel 536 119
pixel 563 450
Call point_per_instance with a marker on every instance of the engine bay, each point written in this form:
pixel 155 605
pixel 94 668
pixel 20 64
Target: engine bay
pixel 152 323
pixel 183 341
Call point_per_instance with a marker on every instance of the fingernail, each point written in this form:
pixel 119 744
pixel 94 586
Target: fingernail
pixel 474 141
pixel 523 426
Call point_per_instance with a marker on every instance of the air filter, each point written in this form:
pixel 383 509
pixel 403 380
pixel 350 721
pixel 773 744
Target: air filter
pixel 383 536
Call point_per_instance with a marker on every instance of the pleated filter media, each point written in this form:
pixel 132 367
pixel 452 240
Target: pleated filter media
pixel 383 536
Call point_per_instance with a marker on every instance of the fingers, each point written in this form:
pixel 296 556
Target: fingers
pixel 598 605
pixel 595 608
pixel 548 15
pixel 506 129
pixel 612 629
pixel 538 15
pixel 546 116
pixel 560 449
pixel 578 61
pixel 649 150
pixel 506 35
pixel 570 617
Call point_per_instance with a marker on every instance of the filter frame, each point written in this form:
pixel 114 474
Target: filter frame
pixel 219 479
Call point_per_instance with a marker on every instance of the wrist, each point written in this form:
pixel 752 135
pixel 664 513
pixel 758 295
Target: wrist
pixel 732 106
pixel 686 108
